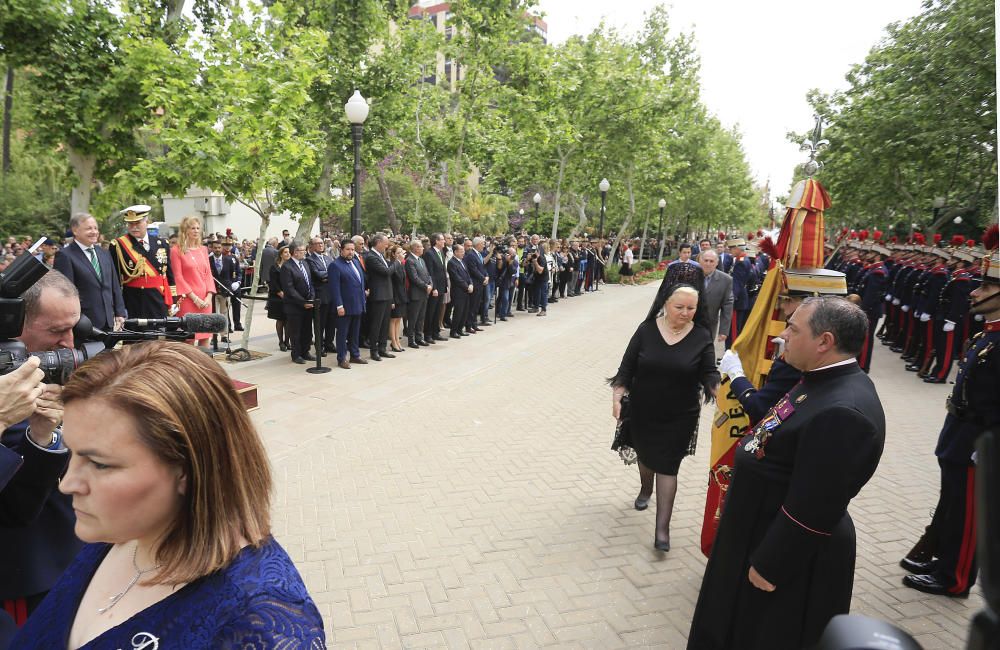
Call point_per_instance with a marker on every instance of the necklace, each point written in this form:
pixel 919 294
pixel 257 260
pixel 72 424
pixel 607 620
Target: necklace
pixel 674 331
pixel 138 574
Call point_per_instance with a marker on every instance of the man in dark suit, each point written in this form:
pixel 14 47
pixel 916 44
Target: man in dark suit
pixel 718 294
pixel 461 291
pixel 434 260
pixel 227 282
pixel 318 262
pixel 477 271
pixel 420 286
pixel 143 263
pixel 267 258
pixel 346 284
pixel 91 269
pixel 299 296
pixel 379 283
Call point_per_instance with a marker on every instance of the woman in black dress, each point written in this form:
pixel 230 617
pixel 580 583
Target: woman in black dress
pixel 275 297
pixel 667 368
pixel 397 271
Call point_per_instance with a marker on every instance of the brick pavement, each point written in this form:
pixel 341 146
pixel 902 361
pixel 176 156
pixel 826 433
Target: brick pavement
pixel 464 495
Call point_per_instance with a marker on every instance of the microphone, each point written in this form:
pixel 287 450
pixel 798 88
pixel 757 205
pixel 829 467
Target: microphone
pixel 189 322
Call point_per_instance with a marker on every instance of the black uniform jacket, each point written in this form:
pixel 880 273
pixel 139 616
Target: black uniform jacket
pixel 785 514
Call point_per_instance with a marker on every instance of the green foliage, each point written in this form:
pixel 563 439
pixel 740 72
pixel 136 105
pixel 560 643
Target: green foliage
pixel 406 196
pixel 917 122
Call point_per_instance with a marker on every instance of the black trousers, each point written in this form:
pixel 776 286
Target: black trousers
pixel 475 304
pixel 460 309
pixel 947 347
pixel 953 529
pixel 416 312
pixel 378 324
pixel 431 328
pixel 237 308
pixel 299 327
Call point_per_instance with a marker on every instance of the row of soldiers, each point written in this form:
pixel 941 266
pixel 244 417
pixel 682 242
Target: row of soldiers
pixel 923 292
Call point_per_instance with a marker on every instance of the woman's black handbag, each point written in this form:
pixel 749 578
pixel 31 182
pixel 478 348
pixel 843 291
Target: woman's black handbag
pixel 622 442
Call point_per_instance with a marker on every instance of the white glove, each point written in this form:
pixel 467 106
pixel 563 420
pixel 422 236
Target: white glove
pixel 234 286
pixel 925 317
pixel 731 365
pixel 888 297
pixel 174 308
pixel 906 308
pixel 917 314
pixel 780 343
pixel 948 326
pixel 895 301
pixel 978 317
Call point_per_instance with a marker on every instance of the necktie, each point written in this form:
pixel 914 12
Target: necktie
pixel 708 280
pixel 93 262
pixel 357 273
pixel 218 265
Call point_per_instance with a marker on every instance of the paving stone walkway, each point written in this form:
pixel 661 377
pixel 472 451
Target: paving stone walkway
pixel 464 495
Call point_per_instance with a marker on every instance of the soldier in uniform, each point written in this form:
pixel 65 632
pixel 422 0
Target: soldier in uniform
pixel 951 325
pixel 741 270
pixel 944 560
pixel 925 311
pixel 871 288
pixel 143 263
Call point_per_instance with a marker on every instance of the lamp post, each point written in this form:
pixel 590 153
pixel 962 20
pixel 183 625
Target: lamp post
pixel 604 186
pixel 659 257
pixel 356 109
pixel 537 198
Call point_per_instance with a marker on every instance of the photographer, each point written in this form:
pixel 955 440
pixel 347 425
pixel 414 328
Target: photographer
pixel 34 556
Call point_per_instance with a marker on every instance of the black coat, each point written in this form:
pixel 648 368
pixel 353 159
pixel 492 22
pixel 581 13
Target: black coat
pixel 785 514
pixel 293 283
pixel 439 274
pixel 780 379
pixel 100 298
pixel 226 276
pixel 377 277
pixel 460 278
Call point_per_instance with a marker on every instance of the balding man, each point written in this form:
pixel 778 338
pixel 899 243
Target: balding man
pixel 783 563
pixel 718 294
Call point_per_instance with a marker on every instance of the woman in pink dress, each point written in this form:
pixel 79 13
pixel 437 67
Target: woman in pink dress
pixel 192 275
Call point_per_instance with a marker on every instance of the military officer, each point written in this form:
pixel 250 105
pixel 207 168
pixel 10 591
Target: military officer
pixel 143 263
pixel 951 326
pixel 741 270
pixel 926 307
pixel 871 288
pixel 944 560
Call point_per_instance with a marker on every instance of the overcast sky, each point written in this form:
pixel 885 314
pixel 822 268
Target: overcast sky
pixel 758 59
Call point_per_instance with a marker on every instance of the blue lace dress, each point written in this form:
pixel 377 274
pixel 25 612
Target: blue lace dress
pixel 258 602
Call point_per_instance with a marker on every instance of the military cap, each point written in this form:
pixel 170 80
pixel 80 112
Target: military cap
pixel 135 212
pixel 805 281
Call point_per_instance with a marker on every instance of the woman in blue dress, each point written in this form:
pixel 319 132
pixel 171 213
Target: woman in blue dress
pixel 171 489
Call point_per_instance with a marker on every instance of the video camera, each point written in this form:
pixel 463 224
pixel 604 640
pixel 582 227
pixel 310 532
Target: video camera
pixel 58 365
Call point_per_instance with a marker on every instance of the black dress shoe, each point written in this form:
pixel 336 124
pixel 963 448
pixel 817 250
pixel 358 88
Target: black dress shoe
pixel 464 333
pixel 427 341
pixel 374 356
pixel 476 329
pixel 641 503
pixel 423 343
pixel 283 347
pixel 412 344
pixel 470 330
pixel 298 360
pixel 912 367
pixel 330 348
pixel 308 357
pixel 920 568
pixel 386 354
pixel 484 323
pixel 359 361
pixel 661 546
pixel 896 349
pixel 238 328
pixel 503 318
pixel 438 337
pixel 929 584
pixel 934 380
pixel 454 336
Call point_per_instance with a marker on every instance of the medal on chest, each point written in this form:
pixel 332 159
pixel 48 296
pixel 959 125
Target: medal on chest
pixel 764 429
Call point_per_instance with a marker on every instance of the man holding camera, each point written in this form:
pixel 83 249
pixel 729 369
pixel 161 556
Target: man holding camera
pixel 35 555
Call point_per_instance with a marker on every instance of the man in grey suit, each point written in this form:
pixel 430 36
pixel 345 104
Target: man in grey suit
pixel 421 286
pixel 718 294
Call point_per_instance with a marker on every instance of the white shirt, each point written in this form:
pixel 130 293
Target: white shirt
pixel 834 365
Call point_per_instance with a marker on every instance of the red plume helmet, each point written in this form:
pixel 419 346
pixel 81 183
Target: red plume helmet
pixel 919 237
pixel 971 243
pixel 991 237
pixel 760 232
pixel 768 247
pixel 877 235
pixel 863 235
pixel 893 239
pixel 749 236
pixel 937 238
pixel 854 235
pixel 957 240
pixel 843 231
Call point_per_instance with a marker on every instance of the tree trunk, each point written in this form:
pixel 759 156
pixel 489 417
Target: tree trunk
pixel 383 188
pixel 642 244
pixel 8 108
pixel 581 219
pixel 562 172
pixel 304 229
pixel 265 221
pixel 83 164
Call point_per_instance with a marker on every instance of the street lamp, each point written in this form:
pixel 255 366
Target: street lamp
pixel 604 186
pixel 662 204
pixel 356 109
pixel 537 198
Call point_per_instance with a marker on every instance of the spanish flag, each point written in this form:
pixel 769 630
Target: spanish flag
pixel 800 244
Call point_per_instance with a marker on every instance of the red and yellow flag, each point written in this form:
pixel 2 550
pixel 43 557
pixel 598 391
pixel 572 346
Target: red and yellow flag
pixel 800 244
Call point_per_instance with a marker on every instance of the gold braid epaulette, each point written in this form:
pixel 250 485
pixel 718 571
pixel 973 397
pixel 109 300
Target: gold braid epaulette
pixel 126 274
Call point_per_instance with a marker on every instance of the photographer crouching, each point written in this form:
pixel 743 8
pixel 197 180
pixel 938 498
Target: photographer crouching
pixel 36 553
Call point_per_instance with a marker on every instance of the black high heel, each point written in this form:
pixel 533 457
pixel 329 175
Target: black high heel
pixel 395 349
pixel 661 546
